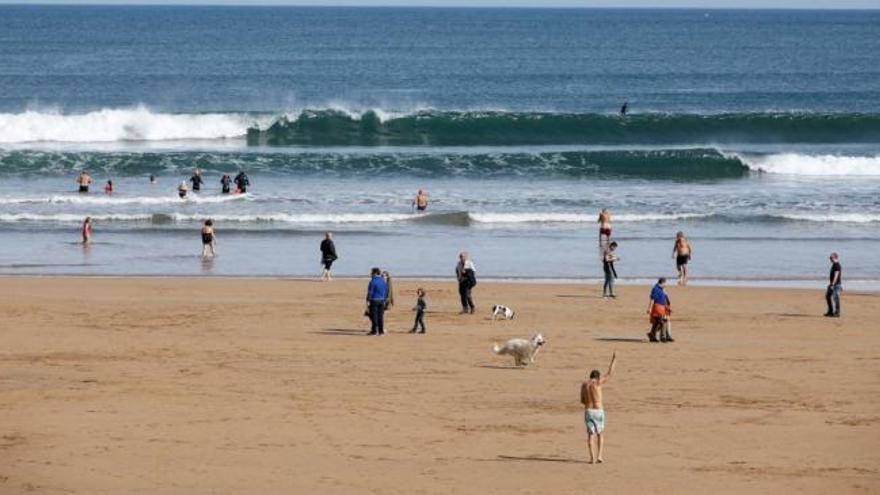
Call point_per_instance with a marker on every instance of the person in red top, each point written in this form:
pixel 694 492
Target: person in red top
pixel 87 231
pixel 108 188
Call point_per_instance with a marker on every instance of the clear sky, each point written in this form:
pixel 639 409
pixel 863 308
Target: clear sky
pixel 864 4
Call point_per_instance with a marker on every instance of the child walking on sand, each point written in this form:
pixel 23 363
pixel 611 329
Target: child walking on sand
pixel 421 305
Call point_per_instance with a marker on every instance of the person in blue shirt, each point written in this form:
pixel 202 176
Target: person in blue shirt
pixel 659 310
pixel 377 299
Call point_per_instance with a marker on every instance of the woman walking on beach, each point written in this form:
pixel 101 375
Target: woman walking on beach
pixel 681 252
pixel 209 240
pixel 466 274
pixel 389 301
pixel 328 256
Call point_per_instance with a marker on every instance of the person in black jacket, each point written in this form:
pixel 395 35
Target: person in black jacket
pixel 328 256
pixel 241 182
pixel 467 279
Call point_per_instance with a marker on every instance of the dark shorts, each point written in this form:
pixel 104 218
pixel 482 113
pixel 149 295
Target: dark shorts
pixel 605 232
pixel 83 189
pixel 682 260
pixel 327 263
pixel 422 208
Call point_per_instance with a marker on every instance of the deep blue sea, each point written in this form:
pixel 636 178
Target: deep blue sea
pixel 757 133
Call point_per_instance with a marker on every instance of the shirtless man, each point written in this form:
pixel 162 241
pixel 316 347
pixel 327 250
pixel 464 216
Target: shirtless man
pixel 421 201
pixel 594 413
pixel 84 181
pixel 681 252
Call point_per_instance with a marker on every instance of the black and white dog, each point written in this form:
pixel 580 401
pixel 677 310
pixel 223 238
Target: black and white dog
pixel 503 312
pixel 522 350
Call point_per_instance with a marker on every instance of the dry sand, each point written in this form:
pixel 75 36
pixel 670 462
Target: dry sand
pixel 189 386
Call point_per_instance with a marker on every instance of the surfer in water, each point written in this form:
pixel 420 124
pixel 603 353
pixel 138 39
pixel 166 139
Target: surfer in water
pixel 420 203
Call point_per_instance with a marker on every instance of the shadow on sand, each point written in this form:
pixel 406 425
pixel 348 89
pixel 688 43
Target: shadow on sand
pixel 536 458
pixel 351 332
pixel 622 339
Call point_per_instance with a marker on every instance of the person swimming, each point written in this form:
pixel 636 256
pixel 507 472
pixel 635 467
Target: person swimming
pixel 182 189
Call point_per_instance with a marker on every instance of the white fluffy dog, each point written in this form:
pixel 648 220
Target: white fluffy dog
pixel 503 312
pixel 522 350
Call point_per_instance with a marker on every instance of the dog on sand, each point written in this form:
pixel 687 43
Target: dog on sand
pixel 522 350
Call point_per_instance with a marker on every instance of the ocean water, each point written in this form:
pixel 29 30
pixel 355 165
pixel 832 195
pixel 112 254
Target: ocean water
pixel 755 132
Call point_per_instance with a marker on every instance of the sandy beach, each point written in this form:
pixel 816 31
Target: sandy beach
pixel 269 386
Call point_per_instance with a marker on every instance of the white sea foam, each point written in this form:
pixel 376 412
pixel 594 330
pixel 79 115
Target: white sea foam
pixel 576 217
pixel 116 200
pixel 833 217
pixel 817 165
pixel 112 124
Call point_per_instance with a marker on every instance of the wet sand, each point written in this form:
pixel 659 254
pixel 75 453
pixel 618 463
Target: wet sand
pixel 268 386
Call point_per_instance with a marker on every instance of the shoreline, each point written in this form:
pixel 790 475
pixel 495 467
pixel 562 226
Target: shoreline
pixel 852 285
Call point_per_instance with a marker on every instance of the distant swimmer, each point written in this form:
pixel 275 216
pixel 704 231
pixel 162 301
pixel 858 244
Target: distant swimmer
pixel 225 184
pixel 421 201
pixel 182 189
pixel 108 188
pixel 87 231
pixel 196 180
pixel 604 222
pixel 594 410
pixel 682 252
pixel 152 179
pixel 84 181
pixel 241 182
pixel 209 240
pixel 624 109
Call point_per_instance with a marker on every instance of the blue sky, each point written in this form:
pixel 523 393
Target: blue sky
pixel 870 4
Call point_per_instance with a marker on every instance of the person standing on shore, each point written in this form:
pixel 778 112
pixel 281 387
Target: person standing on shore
pixel 420 203
pixel 389 301
pixel 377 298
pixel 328 255
pixel 659 311
pixel 196 180
pixel 608 259
pixel 681 253
pixel 594 410
pixel 466 274
pixel 84 181
pixel 87 231
pixel 209 240
pixel 420 308
pixel 835 286
pixel 604 227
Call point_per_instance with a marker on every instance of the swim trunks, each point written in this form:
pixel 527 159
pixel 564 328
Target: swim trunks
pixel 605 232
pixel 682 259
pixel 83 189
pixel 595 420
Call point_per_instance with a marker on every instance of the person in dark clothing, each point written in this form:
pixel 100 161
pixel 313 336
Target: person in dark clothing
pixel 225 184
pixel 377 298
pixel 466 274
pixel 242 182
pixel 835 286
pixel 328 256
pixel 608 259
pixel 196 180
pixel 624 109
pixel 420 308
